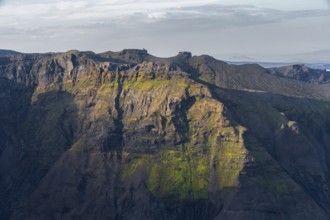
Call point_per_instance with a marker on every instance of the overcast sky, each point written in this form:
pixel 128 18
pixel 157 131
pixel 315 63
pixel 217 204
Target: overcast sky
pixel 260 29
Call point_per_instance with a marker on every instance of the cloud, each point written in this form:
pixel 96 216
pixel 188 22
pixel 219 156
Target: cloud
pixel 141 11
pixel 216 16
pixel 164 27
pixel 65 5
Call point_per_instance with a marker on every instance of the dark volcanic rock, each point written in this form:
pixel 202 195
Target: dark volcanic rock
pixel 126 135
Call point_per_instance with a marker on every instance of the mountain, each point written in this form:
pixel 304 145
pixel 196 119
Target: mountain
pixel 319 66
pixel 8 52
pixel 302 72
pixel 241 58
pixel 126 135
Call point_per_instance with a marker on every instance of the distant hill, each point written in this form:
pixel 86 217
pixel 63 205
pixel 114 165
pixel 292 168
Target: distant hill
pixel 8 52
pixel 302 72
pixel 241 58
pixel 263 64
pixel 319 66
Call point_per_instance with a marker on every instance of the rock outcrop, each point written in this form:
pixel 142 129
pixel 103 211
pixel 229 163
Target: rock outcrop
pixel 303 73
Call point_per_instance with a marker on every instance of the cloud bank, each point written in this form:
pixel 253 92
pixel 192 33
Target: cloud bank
pixel 165 27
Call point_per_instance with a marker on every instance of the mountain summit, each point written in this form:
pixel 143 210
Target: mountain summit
pixel 127 135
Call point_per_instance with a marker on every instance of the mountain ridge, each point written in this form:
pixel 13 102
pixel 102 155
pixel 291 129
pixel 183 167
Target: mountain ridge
pixel 126 135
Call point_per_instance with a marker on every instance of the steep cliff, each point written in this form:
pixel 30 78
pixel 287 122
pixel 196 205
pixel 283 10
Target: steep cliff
pixel 126 135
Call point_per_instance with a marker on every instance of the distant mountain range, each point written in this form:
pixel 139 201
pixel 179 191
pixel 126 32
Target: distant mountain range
pixel 322 66
pixel 316 60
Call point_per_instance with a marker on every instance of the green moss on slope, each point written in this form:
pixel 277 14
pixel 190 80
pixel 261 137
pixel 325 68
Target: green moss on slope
pixel 175 175
pixel 209 158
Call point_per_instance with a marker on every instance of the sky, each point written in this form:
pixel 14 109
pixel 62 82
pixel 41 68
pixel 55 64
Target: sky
pixel 264 30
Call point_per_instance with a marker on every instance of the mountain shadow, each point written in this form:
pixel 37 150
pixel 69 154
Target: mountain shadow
pixel 37 132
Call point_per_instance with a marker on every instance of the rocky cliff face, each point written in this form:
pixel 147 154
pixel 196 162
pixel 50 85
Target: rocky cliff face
pixel 125 135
